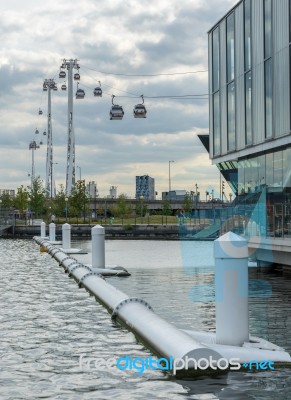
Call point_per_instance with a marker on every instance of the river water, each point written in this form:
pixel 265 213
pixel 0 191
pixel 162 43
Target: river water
pixel 47 323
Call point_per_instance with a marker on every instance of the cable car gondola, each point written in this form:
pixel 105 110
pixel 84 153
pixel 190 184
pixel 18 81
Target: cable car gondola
pixel 64 86
pixel 62 74
pixel 80 93
pixel 98 91
pixel 76 76
pixel 139 110
pixel 44 87
pixel 116 111
pixel 54 87
pixel 39 112
pixel 36 131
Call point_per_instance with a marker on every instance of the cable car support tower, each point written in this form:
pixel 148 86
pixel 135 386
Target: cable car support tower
pixel 69 65
pixel 48 85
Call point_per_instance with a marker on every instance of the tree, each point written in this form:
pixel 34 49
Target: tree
pixel 122 207
pixel 6 201
pixel 21 199
pixel 37 197
pixel 79 199
pixel 167 209
pixel 59 204
pixel 188 204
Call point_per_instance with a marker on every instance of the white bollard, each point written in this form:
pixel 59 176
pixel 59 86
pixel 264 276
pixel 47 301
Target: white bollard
pixel 231 289
pixel 42 229
pixel 66 236
pixel 52 232
pixel 98 247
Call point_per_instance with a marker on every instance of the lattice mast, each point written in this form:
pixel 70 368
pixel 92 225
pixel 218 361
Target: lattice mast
pixel 70 172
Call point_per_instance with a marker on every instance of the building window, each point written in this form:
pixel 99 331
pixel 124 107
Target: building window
pixel 215 60
pixel 268 28
pixel 230 47
pixel 248 107
pixel 216 123
pixel 268 69
pixel 247 34
pixel 268 99
pixel 231 116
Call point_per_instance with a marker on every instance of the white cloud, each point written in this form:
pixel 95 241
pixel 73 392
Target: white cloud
pixel 114 36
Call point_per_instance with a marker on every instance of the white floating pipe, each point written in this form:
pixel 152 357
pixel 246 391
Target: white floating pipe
pixel 52 232
pixel 66 236
pixel 164 338
pixel 98 247
pixel 42 229
pixel 231 290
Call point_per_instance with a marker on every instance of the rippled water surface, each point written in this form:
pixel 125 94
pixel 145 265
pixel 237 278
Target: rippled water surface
pixel 47 322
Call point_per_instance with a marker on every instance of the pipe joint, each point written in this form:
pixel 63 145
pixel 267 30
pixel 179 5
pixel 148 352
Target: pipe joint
pixel 87 275
pixel 116 310
pixel 76 267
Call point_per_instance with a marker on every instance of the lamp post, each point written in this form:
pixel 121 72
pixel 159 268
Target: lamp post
pixel 170 175
pixel 66 200
pixel 0 209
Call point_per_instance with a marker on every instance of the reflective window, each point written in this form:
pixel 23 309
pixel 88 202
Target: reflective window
pixel 268 28
pixel 278 168
pixel 268 99
pixel 247 11
pixel 248 107
pixel 231 116
pixel 215 60
pixel 216 123
pixel 230 47
pixel 269 169
pixel 286 168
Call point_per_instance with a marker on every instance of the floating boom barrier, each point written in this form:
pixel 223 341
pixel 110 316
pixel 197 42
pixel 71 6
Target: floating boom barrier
pixel 231 340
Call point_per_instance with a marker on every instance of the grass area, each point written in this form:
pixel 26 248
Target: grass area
pixel 129 221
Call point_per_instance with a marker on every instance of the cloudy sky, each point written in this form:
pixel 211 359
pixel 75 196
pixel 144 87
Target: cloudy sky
pixel 150 48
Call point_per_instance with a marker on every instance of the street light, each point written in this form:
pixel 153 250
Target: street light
pixel 170 175
pixel 66 200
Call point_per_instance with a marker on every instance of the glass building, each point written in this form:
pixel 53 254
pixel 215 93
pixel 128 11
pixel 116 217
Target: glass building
pixel 250 119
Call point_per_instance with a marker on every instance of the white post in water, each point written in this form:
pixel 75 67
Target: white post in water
pixel 66 236
pixel 231 289
pixel 98 247
pixel 52 232
pixel 42 229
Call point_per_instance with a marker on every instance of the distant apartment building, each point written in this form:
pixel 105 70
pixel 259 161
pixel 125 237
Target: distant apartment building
pixel 145 187
pixel 174 195
pixel 10 192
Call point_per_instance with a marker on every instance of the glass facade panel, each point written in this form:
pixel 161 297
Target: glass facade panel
pixel 278 169
pixel 230 47
pixel 268 99
pixel 248 107
pixel 248 55
pixel 231 117
pixel 262 171
pixel 216 123
pixel 268 28
pixel 215 60
pixel 287 168
pixel 270 169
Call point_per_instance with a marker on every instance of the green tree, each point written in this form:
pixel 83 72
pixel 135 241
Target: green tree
pixel 79 199
pixel 122 208
pixel 166 208
pixel 37 197
pixel 141 208
pixel 187 204
pixel 21 199
pixel 59 204
pixel 6 201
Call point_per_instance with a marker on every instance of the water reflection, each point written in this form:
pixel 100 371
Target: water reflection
pixel 47 322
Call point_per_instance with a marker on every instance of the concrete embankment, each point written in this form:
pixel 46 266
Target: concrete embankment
pixel 156 232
